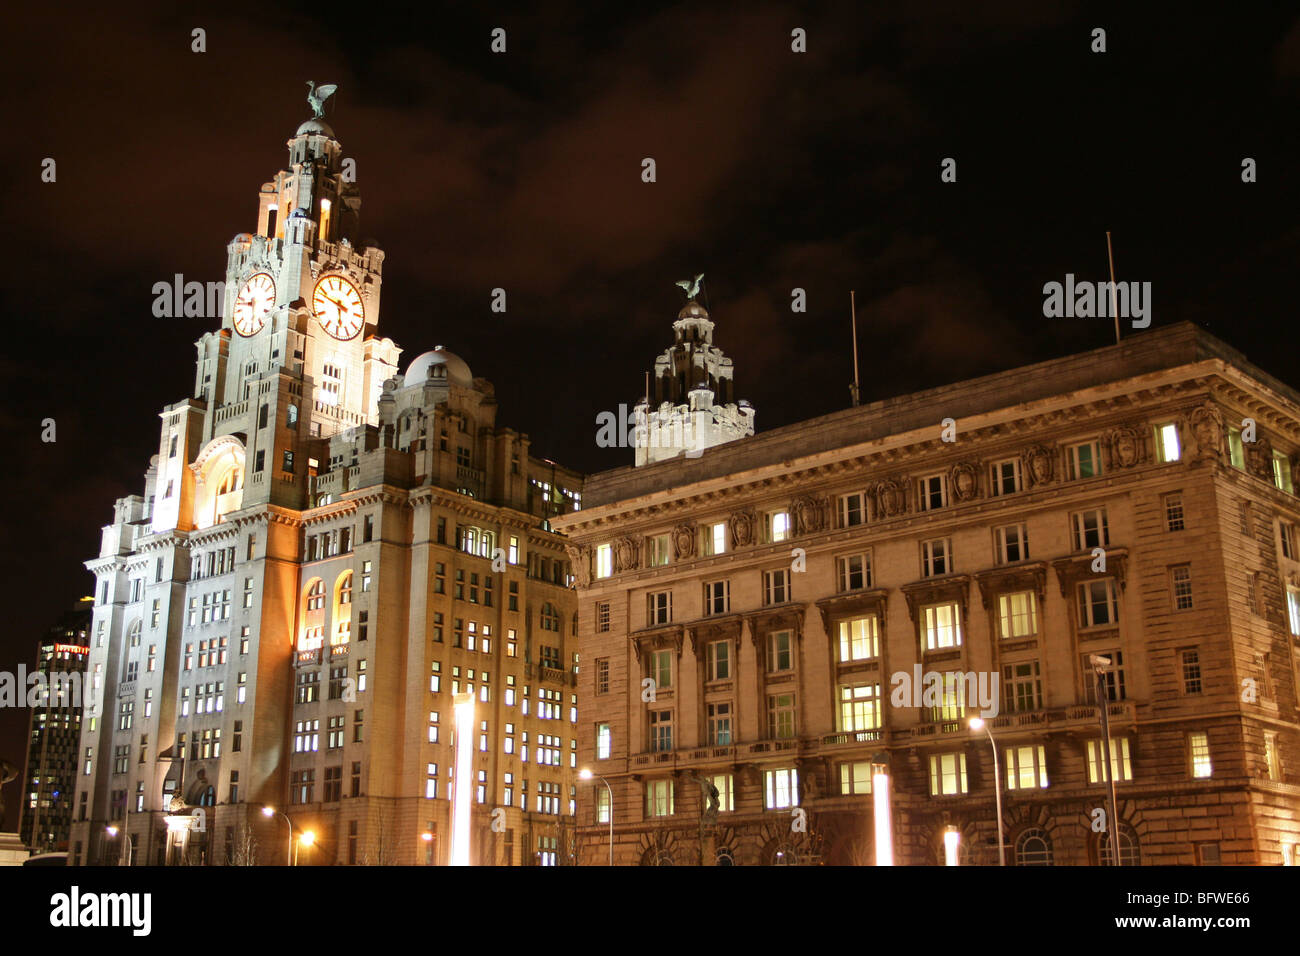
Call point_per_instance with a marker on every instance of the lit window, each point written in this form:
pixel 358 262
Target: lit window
pixel 1121 768
pixel 855 778
pixel 777 526
pixel 1085 460
pixel 604 742
pixel 942 626
pixel 947 774
pixel 859 639
pixel 1026 767
pixel 604 560
pixel 1167 442
pixel 781 788
pixel 1198 745
pixel 859 707
pixel 1018 614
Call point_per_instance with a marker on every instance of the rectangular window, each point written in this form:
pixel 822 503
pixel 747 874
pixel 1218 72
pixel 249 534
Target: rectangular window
pixel 1236 453
pixel 1282 472
pixel 717 597
pixel 1018 613
pixel 1271 763
pixel 602 675
pixel 859 707
pixel 932 492
pixel 659 798
pixel 604 742
pixel 1098 604
pixel 602 617
pixel 719 660
pixel 780 716
pixel 1198 751
pixel 776 527
pixel 1121 768
pixel 936 557
pixel 781 788
pixel 714 539
pixel 1174 511
pixel 659 608
pixel 947 774
pixel 1191 668
pixel 1293 609
pixel 1090 529
pixel 726 791
pixel 660 550
pixel 661 669
pixel 859 639
pixel 1011 544
pixel 855 778
pixel 853 509
pixel 1287 532
pixel 1005 476
pixel 854 571
pixel 952 699
pixel 719 724
pixel 1112 678
pixel 1084 460
pixel 661 730
pixel 779 651
pixel 604 560
pixel 942 626
pixel 1167 444
pixel 1022 687
pixel 776 586
pixel 1026 767
pixel 1180 586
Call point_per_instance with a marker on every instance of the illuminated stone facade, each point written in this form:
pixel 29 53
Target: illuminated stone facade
pixel 324 552
pixel 750 621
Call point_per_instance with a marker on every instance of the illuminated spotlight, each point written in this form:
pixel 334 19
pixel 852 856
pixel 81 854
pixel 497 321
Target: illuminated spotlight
pixel 951 841
pixel 883 817
pixel 460 807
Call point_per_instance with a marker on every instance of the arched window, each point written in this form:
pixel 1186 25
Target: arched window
pixel 345 588
pixel 313 616
pixel 1130 853
pixel 550 619
pixel 316 595
pixel 1033 848
pixel 342 609
pixel 233 480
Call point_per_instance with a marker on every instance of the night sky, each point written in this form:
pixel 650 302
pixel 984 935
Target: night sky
pixel 522 170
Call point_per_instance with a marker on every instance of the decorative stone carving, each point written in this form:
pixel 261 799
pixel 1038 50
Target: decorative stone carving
pixel 1259 458
pixel 627 554
pixel 742 529
pixel 1208 432
pixel 580 561
pixel 1126 446
pixel 808 514
pixel 684 542
pixel 964 481
pixel 891 498
pixel 1040 465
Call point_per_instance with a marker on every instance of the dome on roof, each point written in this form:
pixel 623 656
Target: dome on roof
pixel 692 310
pixel 439 366
pixel 316 126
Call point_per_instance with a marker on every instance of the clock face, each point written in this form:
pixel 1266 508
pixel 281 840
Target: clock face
pixel 253 304
pixel 337 305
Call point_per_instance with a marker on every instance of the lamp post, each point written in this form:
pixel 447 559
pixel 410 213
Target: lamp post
pixel 272 811
pixel 951 842
pixel 977 723
pixel 461 784
pixel 585 774
pixel 1101 665
pixel 112 832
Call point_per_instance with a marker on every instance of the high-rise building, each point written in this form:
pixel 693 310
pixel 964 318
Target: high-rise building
pixel 781 632
pixel 326 552
pixel 54 733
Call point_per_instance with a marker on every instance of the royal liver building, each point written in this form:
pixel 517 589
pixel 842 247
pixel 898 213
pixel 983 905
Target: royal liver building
pixel 326 550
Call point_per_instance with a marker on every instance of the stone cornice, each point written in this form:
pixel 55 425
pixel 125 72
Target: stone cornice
pixel 853 603
pixel 1028 576
pixel 662 637
pixel 952 587
pixel 1078 567
pixel 776 618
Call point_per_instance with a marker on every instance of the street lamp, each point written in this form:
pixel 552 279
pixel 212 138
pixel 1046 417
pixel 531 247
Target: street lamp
pixel 585 774
pixel 461 784
pixel 883 818
pixel 977 723
pixel 112 832
pixel 306 838
pixel 272 811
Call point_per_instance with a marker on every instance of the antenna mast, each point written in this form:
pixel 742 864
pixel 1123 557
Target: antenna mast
pixel 853 309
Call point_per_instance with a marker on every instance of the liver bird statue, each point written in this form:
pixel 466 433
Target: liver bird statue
pixel 317 95
pixel 691 286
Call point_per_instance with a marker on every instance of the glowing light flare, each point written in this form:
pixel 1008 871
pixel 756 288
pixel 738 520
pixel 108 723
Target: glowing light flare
pixel 951 841
pixel 883 818
pixel 460 807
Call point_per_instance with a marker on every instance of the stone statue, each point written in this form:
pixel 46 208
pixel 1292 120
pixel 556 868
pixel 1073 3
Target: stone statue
pixel 1207 428
pixel 690 286
pixel 316 97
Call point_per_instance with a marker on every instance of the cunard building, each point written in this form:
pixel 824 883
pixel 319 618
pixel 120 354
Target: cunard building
pixel 330 546
pixel 779 631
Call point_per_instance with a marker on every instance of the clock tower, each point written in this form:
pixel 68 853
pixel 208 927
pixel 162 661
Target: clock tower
pixel 296 357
